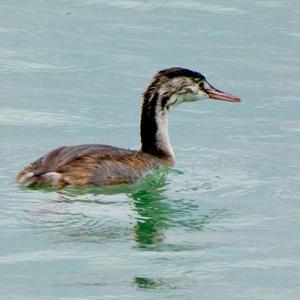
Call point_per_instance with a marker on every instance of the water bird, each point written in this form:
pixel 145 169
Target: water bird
pixel 102 165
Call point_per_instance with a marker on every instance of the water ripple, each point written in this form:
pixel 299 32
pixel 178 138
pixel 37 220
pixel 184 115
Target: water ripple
pixel 25 66
pixel 188 5
pixel 16 116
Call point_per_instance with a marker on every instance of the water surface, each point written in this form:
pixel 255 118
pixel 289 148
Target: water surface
pixel 225 223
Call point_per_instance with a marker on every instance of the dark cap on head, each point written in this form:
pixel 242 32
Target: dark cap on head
pixel 178 72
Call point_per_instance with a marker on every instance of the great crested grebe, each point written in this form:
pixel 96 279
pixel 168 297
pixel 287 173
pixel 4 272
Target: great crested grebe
pixel 106 165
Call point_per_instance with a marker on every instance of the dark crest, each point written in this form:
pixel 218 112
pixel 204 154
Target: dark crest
pixel 178 72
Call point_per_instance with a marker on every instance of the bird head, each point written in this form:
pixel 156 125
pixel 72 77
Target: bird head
pixel 173 86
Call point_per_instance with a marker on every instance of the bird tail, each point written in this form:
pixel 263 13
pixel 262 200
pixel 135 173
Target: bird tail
pixel 38 178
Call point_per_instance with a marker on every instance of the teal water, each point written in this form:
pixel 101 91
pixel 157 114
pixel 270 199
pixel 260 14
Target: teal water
pixel 224 224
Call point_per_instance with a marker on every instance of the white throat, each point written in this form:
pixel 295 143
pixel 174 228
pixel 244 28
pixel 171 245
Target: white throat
pixel 162 134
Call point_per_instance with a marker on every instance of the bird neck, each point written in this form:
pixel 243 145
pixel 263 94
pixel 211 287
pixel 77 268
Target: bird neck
pixel 154 128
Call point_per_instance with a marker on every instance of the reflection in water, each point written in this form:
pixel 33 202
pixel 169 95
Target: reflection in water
pixel 155 211
pixel 143 214
pixel 101 214
pixel 146 283
pixel 154 214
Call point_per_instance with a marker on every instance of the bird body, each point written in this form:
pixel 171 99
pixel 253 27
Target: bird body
pixel 107 165
pixel 89 164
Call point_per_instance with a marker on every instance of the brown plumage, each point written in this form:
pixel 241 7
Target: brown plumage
pixel 89 164
pixel 106 165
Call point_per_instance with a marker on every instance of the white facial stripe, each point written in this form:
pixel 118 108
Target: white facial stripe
pixel 189 97
pixel 177 99
pixel 188 91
